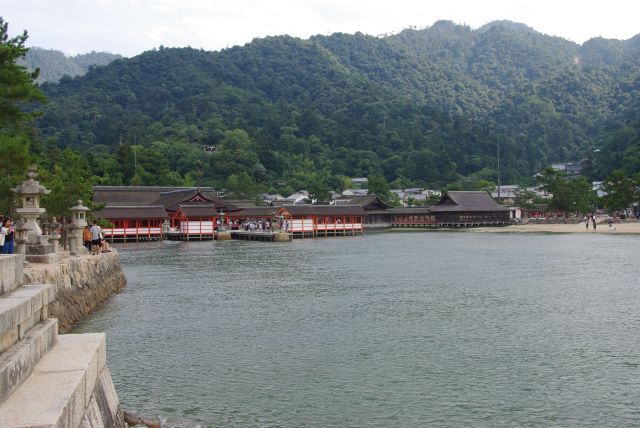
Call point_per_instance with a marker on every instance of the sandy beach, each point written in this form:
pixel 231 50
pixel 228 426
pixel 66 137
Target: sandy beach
pixel 618 228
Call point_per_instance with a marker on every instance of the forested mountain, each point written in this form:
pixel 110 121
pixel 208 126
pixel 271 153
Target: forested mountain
pixel 422 107
pixel 54 64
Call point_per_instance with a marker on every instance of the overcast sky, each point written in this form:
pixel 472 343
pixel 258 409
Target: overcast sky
pixel 129 27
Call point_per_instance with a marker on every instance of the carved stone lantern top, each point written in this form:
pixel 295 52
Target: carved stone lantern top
pixel 79 213
pixel 21 231
pixel 30 190
pixel 21 226
pixel 79 208
pixel 53 226
pixel 31 186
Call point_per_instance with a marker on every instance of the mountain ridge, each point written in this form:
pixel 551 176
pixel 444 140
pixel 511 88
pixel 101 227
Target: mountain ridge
pixel 426 106
pixel 54 64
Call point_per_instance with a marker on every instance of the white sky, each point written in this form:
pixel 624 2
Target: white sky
pixel 129 27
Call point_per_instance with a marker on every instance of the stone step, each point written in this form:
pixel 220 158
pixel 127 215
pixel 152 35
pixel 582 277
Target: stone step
pixel 60 387
pixel 17 363
pixel 21 309
pixel 11 272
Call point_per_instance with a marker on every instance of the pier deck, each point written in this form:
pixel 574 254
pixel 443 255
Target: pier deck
pixel 178 236
pixel 260 236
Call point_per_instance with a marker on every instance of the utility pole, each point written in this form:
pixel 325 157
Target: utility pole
pixel 498 139
pixel 135 154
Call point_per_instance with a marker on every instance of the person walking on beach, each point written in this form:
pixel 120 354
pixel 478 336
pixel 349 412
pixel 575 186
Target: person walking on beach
pixel 586 220
pixel 95 238
pixel 593 219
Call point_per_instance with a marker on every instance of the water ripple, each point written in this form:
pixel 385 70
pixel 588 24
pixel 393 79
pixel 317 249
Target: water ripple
pixel 442 329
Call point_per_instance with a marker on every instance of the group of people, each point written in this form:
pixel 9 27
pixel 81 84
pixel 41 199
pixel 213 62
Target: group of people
pixel 92 237
pixel 590 218
pixel 7 235
pixel 94 240
pixel 256 225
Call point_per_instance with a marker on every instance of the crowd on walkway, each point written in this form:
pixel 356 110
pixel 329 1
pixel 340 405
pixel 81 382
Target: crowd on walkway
pixel 256 225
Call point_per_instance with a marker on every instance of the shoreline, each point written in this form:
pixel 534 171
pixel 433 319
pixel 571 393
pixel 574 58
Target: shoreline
pixel 630 228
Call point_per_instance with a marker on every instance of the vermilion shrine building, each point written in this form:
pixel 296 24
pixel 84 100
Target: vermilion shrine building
pixel 152 213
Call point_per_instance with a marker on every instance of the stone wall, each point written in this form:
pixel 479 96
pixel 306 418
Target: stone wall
pixel 552 220
pixel 82 283
pixel 11 272
pixel 104 408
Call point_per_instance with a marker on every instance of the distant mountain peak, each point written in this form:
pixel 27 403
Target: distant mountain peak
pixel 505 23
pixel 54 64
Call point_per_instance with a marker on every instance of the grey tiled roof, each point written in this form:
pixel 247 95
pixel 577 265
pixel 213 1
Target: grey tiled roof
pixel 132 212
pixel 456 201
pixel 324 210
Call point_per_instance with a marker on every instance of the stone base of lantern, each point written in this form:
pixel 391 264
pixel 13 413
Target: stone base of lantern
pixel 44 258
pixel 41 253
pixel 37 240
pixel 38 249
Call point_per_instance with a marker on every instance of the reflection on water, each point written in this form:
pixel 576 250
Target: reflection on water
pixel 381 330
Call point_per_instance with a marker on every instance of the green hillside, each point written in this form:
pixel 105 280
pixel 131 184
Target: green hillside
pixel 54 64
pixel 422 107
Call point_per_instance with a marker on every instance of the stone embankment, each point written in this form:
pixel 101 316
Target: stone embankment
pixel 551 220
pixel 82 284
pixel 47 379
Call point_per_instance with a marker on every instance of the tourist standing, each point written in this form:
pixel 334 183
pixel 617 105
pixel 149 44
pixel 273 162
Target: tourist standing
pixel 1 236
pixel 8 232
pixel 86 237
pixel 586 221
pixel 593 218
pixel 95 238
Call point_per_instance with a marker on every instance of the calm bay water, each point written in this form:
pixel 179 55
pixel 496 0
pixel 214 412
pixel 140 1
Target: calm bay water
pixel 393 329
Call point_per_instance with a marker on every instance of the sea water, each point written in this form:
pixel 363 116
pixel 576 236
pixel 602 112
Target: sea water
pixel 388 329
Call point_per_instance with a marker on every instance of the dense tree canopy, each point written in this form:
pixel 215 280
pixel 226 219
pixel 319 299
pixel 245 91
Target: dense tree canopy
pixel 16 84
pixel 54 64
pixel 569 194
pixel 620 191
pixel 17 94
pixel 66 172
pixel 430 107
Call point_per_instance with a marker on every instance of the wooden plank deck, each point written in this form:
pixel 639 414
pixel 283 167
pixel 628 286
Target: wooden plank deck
pixel 246 235
pixel 178 236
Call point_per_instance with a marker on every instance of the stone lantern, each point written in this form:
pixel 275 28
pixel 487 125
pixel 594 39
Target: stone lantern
pixel 79 214
pixel 22 231
pixel 222 234
pixel 78 223
pixel 221 228
pixel 37 247
pixel 29 193
pixel 54 236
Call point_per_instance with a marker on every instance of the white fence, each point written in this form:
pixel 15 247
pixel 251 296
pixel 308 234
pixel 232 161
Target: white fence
pixel 205 227
pixel 117 232
pixel 307 225
pixel 299 225
pixel 338 226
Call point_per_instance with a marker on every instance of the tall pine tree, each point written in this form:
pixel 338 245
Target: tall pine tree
pixel 18 96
